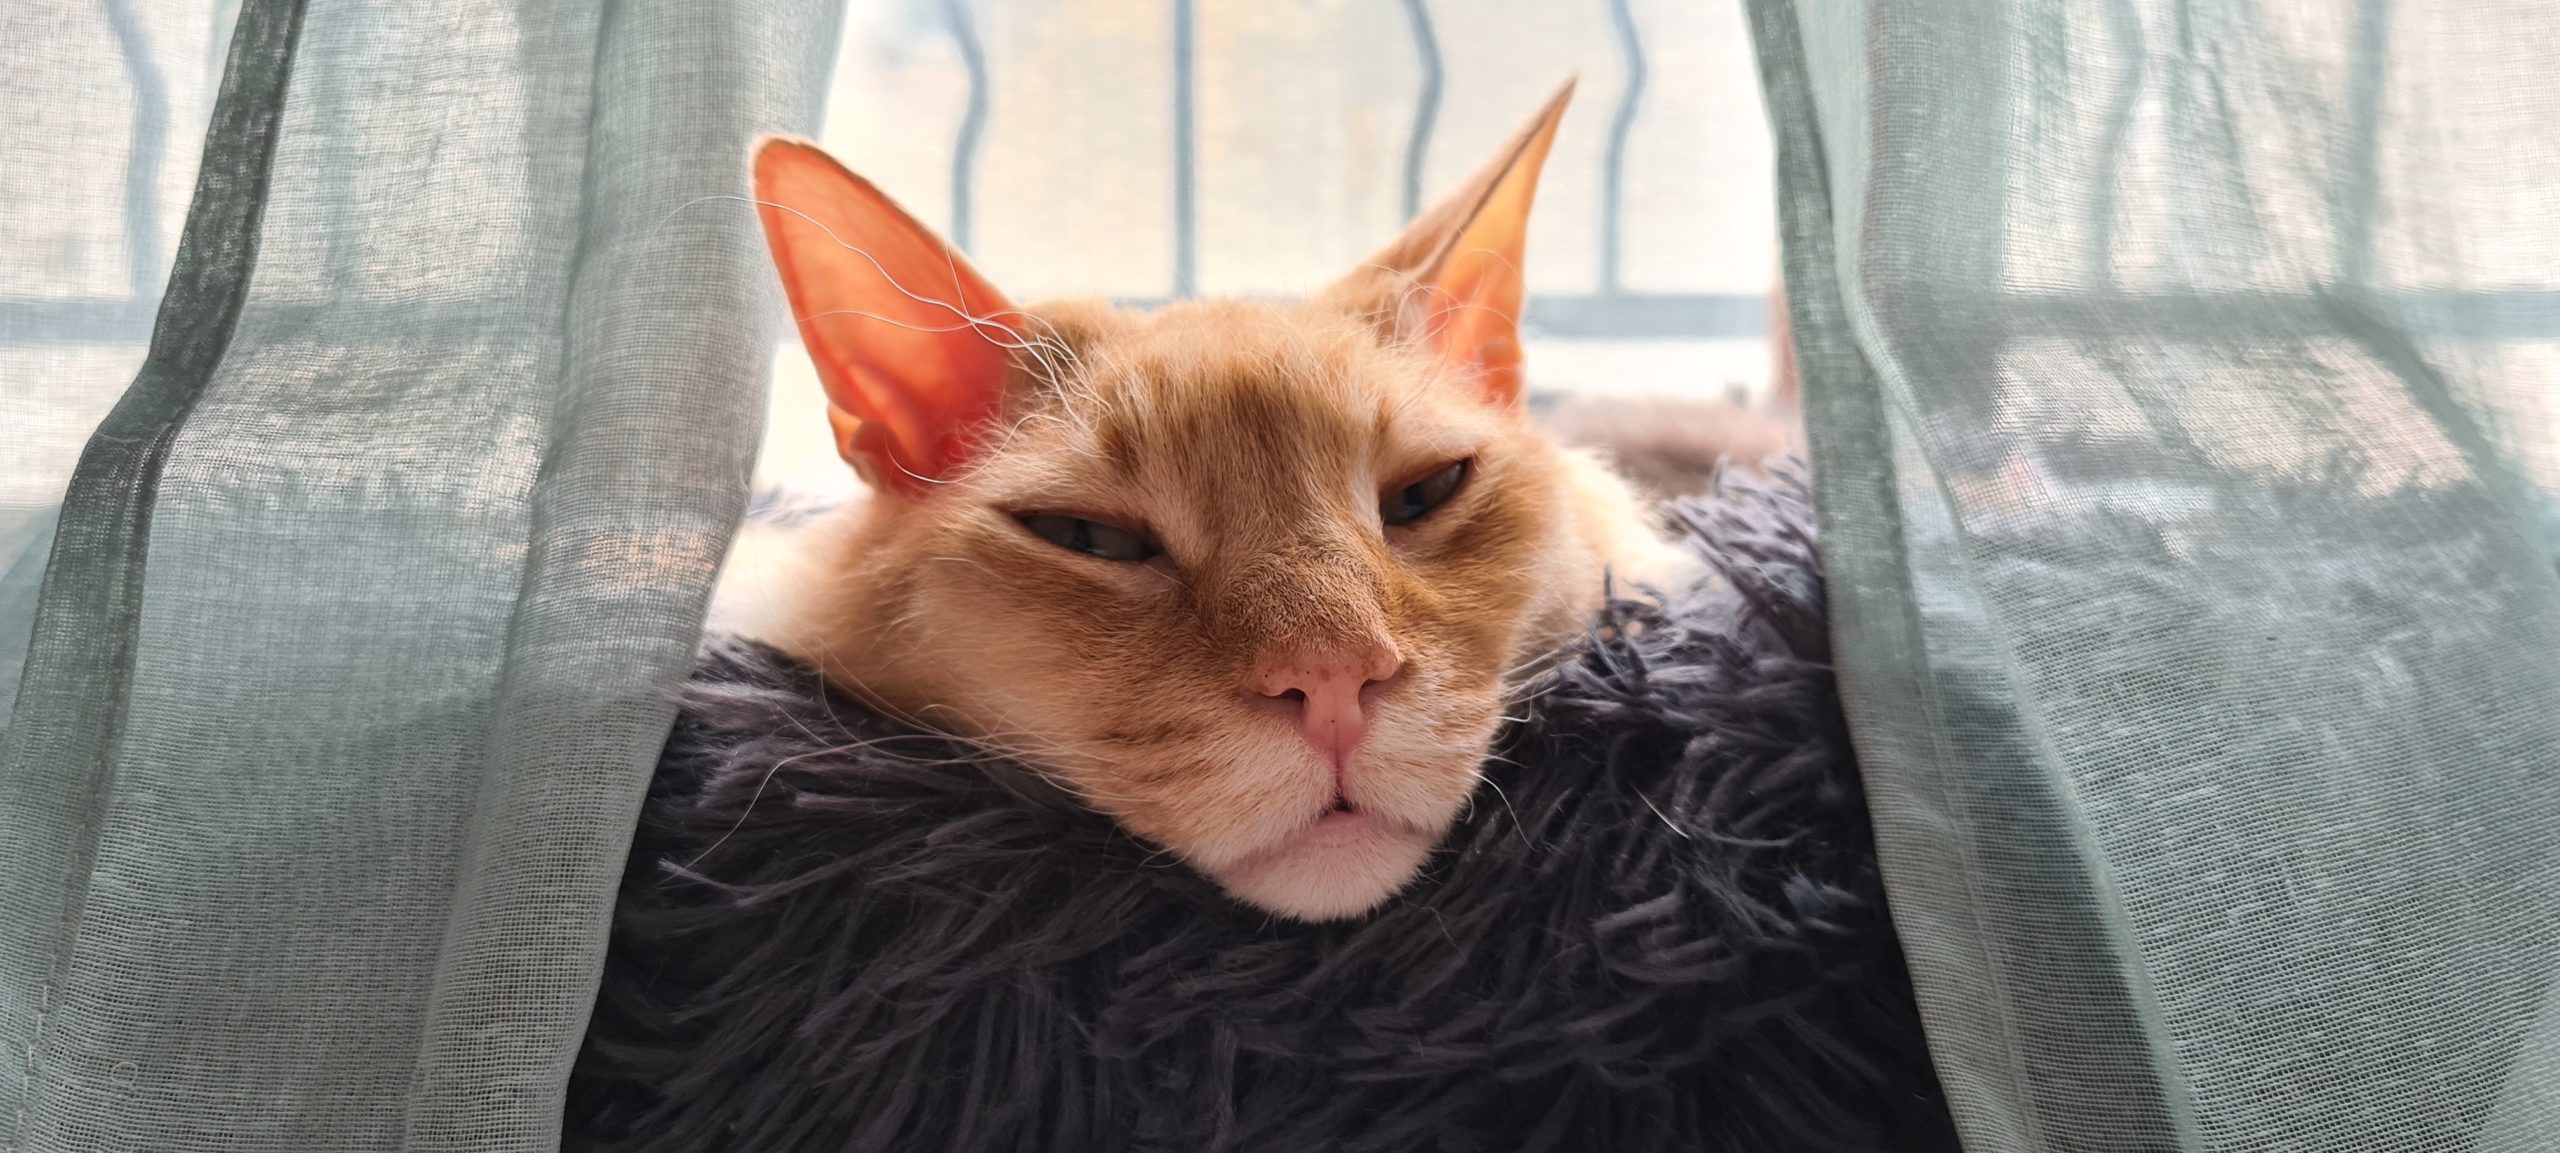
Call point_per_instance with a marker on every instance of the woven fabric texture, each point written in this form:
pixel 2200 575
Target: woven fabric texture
pixel 2181 387
pixel 360 622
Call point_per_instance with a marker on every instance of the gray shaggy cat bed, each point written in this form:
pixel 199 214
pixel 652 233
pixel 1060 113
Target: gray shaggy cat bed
pixel 1660 927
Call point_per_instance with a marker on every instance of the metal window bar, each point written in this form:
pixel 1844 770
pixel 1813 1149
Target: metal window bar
pixel 1186 210
pixel 125 319
pixel 1426 104
pixel 1614 177
pixel 973 123
pixel 142 165
pixel 1611 312
pixel 2476 314
pixel 2362 197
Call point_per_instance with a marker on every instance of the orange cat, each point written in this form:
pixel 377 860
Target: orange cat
pixel 1255 580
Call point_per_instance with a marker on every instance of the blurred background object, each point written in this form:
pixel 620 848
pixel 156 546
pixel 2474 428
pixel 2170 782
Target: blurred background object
pixel 1137 149
pixel 1152 149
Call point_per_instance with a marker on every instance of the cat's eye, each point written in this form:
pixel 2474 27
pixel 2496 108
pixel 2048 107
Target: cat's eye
pixel 1407 503
pixel 1091 537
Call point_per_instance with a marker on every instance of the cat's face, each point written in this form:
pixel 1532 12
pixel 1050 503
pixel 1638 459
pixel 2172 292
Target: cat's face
pixel 1261 453
pixel 1247 577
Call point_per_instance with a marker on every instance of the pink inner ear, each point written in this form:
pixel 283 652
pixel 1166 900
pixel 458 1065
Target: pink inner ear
pixel 1478 324
pixel 910 342
pixel 1478 288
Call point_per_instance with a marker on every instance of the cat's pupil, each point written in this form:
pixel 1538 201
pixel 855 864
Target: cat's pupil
pixel 1090 537
pixel 1408 504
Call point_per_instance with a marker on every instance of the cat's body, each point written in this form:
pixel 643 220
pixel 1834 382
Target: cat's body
pixel 1254 579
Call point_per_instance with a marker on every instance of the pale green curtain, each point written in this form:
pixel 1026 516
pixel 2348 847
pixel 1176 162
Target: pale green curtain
pixel 2181 385
pixel 349 648
pixel 2183 378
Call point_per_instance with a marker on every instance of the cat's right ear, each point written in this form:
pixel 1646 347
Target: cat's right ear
pixel 1452 280
pixel 912 345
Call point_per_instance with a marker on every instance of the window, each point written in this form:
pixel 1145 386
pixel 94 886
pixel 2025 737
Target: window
pixel 1148 149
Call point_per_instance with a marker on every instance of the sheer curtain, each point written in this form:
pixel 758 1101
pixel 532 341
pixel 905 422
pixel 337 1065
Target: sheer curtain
pixel 107 104
pixel 2181 384
pixel 352 646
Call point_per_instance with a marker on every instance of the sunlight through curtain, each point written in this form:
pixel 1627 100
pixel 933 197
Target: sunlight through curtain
pixel 2181 382
pixel 354 639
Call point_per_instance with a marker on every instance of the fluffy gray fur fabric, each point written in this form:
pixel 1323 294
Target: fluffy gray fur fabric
pixel 1660 927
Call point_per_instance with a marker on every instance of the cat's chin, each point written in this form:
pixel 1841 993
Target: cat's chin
pixel 1341 867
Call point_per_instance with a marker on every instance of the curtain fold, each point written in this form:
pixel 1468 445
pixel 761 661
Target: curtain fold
pixel 2181 385
pixel 93 188
pixel 362 615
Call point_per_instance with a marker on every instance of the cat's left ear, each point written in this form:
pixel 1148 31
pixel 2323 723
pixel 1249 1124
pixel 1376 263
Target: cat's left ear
pixel 1453 278
pixel 913 346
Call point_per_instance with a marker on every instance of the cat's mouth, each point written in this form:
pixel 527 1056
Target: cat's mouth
pixel 1343 814
pixel 1343 864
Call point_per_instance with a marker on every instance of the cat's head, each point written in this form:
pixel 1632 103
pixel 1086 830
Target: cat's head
pixel 1249 577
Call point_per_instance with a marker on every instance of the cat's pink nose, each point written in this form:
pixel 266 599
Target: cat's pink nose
pixel 1326 687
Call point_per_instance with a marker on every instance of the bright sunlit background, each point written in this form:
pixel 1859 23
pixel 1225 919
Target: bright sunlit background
pixel 1138 149
pixel 1145 149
